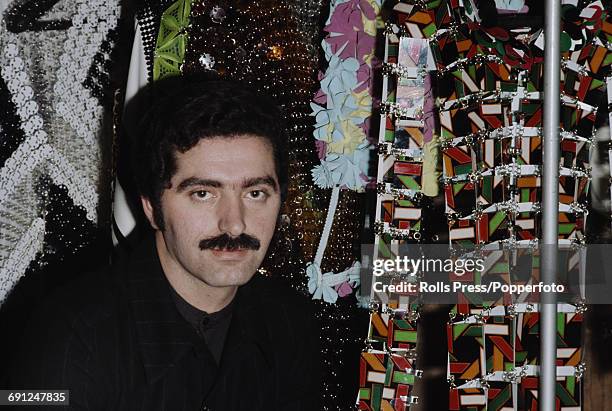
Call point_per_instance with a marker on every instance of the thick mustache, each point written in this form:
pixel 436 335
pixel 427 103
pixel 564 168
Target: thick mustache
pixel 224 241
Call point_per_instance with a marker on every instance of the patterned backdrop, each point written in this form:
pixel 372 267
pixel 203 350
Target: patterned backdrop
pixel 486 80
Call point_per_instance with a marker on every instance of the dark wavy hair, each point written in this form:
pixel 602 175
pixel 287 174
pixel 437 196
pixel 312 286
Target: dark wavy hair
pixel 173 114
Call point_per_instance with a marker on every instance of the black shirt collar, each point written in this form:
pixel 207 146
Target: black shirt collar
pixel 212 328
pixel 200 320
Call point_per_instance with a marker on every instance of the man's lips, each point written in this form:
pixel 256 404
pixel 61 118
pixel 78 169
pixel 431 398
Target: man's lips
pixel 227 254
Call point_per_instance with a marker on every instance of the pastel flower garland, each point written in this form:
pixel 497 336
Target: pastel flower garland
pixel 342 108
pixel 343 105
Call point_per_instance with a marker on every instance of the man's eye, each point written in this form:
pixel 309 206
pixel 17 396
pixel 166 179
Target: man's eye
pixel 200 194
pixel 257 194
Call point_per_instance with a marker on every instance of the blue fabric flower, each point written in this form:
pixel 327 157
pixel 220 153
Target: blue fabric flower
pixel 340 169
pixel 341 75
pixel 322 285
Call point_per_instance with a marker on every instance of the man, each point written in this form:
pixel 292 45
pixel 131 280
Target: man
pixel 184 323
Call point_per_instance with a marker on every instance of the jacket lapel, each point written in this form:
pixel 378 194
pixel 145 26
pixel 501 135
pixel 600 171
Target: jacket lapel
pixel 248 325
pixel 247 362
pixel 164 337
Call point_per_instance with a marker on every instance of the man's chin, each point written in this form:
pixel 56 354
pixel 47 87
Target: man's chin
pixel 229 280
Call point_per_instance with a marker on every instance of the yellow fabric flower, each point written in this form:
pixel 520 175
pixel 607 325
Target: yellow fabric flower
pixel 364 104
pixel 369 26
pixel 329 133
pixel 353 136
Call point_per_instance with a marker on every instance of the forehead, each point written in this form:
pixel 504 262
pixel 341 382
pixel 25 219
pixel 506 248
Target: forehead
pixel 227 158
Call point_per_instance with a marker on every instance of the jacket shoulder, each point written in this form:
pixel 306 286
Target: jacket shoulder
pixel 92 297
pixel 65 334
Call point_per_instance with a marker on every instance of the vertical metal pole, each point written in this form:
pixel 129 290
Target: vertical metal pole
pixel 550 203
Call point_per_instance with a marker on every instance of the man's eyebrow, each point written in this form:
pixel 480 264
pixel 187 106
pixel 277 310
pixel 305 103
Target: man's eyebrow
pixel 267 180
pixel 194 181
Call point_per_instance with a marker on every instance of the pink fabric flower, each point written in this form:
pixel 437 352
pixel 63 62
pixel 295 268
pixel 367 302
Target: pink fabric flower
pixel 346 26
pixel 364 77
pixel 365 126
pixel 367 9
pixel 343 289
pixel 345 17
pixel 321 148
pixel 320 97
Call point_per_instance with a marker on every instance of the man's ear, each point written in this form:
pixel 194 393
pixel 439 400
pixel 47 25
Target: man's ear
pixel 148 210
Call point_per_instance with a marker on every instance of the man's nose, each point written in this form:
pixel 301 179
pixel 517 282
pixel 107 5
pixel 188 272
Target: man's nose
pixel 231 216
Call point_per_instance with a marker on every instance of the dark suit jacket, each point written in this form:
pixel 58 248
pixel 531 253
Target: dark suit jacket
pixel 116 340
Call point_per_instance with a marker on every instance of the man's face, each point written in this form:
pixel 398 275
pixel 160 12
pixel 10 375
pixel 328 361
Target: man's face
pixel 223 200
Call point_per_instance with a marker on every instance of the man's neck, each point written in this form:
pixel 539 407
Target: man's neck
pixel 193 290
